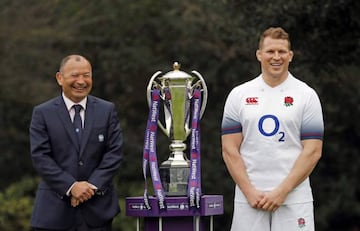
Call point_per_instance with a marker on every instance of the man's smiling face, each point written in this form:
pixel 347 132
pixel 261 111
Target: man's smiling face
pixel 75 78
pixel 274 56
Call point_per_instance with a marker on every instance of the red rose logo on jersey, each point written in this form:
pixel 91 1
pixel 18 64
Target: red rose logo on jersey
pixel 301 222
pixel 288 101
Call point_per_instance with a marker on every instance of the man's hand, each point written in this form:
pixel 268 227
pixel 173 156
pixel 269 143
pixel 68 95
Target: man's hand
pixel 74 202
pixel 272 200
pixel 81 192
pixel 254 197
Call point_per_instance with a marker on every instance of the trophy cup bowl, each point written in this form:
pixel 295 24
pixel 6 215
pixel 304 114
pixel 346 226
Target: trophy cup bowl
pixel 176 89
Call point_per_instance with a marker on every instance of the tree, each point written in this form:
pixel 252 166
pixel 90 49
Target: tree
pixel 127 41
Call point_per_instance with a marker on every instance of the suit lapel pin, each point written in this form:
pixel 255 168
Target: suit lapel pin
pixel 101 138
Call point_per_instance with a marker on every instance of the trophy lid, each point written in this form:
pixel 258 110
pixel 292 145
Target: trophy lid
pixel 176 73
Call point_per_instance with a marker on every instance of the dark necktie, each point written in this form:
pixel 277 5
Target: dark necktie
pixel 77 121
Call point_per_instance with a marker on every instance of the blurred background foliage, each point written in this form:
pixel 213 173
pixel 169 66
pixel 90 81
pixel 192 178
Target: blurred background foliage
pixel 127 41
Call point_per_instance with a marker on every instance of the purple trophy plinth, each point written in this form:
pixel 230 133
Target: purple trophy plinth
pixel 177 216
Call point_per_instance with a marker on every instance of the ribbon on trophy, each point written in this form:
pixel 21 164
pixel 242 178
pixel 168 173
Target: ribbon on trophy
pixel 194 186
pixel 149 153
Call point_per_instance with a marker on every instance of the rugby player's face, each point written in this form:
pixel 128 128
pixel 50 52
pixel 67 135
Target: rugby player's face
pixel 274 56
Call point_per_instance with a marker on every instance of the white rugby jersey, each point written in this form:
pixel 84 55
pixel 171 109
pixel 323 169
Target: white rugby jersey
pixel 273 122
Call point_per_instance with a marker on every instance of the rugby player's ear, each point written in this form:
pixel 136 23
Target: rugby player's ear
pixel 291 55
pixel 258 55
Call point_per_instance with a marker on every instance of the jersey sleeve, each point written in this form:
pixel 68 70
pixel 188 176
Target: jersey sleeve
pixel 312 125
pixel 231 120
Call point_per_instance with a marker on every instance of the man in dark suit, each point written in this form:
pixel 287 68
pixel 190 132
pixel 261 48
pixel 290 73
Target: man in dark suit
pixel 76 154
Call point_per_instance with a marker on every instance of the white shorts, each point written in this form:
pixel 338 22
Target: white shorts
pixel 293 217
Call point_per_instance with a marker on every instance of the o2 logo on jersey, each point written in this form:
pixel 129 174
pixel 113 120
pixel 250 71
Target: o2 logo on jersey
pixel 274 131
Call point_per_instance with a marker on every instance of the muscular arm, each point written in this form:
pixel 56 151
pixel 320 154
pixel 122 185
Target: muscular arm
pixel 302 168
pixel 236 167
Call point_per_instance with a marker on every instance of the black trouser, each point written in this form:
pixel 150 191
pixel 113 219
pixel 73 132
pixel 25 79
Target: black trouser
pixel 82 227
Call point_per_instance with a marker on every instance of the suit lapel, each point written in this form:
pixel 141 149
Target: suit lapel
pixel 66 121
pixel 89 121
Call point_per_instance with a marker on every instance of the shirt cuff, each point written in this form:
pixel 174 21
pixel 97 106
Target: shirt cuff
pixel 68 192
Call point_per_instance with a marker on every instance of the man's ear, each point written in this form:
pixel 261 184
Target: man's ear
pixel 58 78
pixel 258 55
pixel 291 56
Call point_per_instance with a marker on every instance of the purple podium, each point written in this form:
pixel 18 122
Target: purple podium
pixel 178 216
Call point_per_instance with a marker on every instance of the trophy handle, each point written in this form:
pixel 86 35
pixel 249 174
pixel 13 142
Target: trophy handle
pixel 205 92
pixel 150 85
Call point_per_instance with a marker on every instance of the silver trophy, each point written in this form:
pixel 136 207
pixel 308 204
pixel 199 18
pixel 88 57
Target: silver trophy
pixel 174 121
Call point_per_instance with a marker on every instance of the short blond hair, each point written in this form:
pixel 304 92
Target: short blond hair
pixel 275 33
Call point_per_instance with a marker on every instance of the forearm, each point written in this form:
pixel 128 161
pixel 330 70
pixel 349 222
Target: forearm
pixel 237 169
pixel 302 168
pixel 303 165
pixel 232 159
pixel 49 170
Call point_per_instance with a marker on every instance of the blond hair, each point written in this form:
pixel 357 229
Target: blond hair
pixel 274 33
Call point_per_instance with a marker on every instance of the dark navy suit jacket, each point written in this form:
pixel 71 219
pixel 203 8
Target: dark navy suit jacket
pixel 60 161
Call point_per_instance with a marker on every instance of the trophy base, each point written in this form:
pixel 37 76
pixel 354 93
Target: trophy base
pixel 174 177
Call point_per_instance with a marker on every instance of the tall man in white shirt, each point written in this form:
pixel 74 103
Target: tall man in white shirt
pixel 272 131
